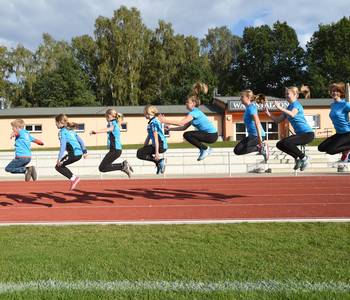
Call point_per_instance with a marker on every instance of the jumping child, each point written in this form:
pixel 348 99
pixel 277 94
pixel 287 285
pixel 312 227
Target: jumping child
pixel 256 134
pixel 303 132
pixel 114 145
pixel 71 143
pixel 339 114
pixel 205 133
pixel 23 152
pixel 156 136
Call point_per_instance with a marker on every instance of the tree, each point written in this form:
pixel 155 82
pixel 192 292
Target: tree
pixel 67 85
pixel 121 44
pixel 270 59
pixel 328 56
pixel 222 49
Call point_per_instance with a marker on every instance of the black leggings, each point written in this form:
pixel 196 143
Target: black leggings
pixel 147 153
pixel 289 144
pixel 197 138
pixel 107 165
pixel 247 145
pixel 336 143
pixel 67 160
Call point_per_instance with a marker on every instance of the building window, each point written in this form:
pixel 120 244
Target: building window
pixel 314 121
pixel 270 128
pixel 34 128
pixel 124 127
pixel 80 127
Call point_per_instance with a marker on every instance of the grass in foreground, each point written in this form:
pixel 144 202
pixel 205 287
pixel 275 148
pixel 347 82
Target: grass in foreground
pixel 317 252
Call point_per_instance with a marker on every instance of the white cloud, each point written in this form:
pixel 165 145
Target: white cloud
pixel 24 21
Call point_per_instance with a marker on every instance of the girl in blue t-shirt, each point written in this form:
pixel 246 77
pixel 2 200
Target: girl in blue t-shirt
pixel 23 152
pixel 205 133
pixel 304 134
pixel 114 145
pixel 70 143
pixel 256 134
pixel 339 114
pixel 155 134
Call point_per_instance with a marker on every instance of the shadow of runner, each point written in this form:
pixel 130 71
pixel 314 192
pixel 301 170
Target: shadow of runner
pixel 24 199
pixel 176 194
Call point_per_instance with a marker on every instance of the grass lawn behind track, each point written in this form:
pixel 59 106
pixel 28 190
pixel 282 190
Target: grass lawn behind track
pixel 184 145
pixel 279 252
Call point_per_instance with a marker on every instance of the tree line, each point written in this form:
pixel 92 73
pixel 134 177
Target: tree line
pixel 126 63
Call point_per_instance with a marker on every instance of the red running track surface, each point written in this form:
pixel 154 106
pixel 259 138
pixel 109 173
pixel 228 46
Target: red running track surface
pixel 176 199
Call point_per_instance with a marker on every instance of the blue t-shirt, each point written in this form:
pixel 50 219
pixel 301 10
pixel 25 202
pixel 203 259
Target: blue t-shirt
pixel 299 123
pixel 340 116
pixel 201 121
pixel 70 142
pixel 23 144
pixel 250 111
pixel 113 140
pixel 154 125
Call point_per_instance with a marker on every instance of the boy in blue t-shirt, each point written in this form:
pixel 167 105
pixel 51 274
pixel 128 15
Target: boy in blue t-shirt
pixel 23 152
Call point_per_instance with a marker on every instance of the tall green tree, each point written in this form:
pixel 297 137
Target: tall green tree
pixel 222 49
pixel 121 42
pixel 270 59
pixel 328 56
pixel 67 85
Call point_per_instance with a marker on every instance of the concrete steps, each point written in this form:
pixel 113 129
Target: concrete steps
pixel 180 162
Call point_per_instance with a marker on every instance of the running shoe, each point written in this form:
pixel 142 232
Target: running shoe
pixel 345 156
pixel 304 163
pixel 34 174
pixel 204 153
pixel 127 169
pixel 74 183
pixel 265 151
pixel 28 174
pixel 161 166
pixel 297 164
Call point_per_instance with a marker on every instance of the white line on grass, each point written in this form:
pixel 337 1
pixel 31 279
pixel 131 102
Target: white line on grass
pixel 179 222
pixel 176 286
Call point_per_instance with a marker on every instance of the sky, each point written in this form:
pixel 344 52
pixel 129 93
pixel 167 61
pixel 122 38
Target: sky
pixel 23 21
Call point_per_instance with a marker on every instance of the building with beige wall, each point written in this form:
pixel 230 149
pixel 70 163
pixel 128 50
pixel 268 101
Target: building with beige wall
pixel 316 113
pixel 226 113
pixel 41 123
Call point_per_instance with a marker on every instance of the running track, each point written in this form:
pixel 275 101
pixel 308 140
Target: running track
pixel 177 199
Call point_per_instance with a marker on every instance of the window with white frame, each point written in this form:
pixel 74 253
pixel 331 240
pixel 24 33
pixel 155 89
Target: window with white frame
pixel 314 121
pixel 271 129
pixel 80 127
pixel 124 126
pixel 34 128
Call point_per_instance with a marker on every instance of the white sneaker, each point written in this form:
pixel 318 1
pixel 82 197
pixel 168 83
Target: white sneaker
pixel 204 153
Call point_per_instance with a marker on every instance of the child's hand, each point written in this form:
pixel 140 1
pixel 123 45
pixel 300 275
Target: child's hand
pixel 85 156
pixel 12 135
pixel 157 156
pixel 58 163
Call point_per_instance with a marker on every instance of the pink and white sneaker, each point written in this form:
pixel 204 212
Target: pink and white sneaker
pixel 74 183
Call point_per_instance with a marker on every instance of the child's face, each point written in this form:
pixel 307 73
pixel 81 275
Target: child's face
pixel 59 125
pixel 335 94
pixel 15 129
pixel 190 105
pixel 245 99
pixel 109 118
pixel 147 116
pixel 290 95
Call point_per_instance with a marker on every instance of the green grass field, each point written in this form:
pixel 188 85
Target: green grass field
pixel 245 261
